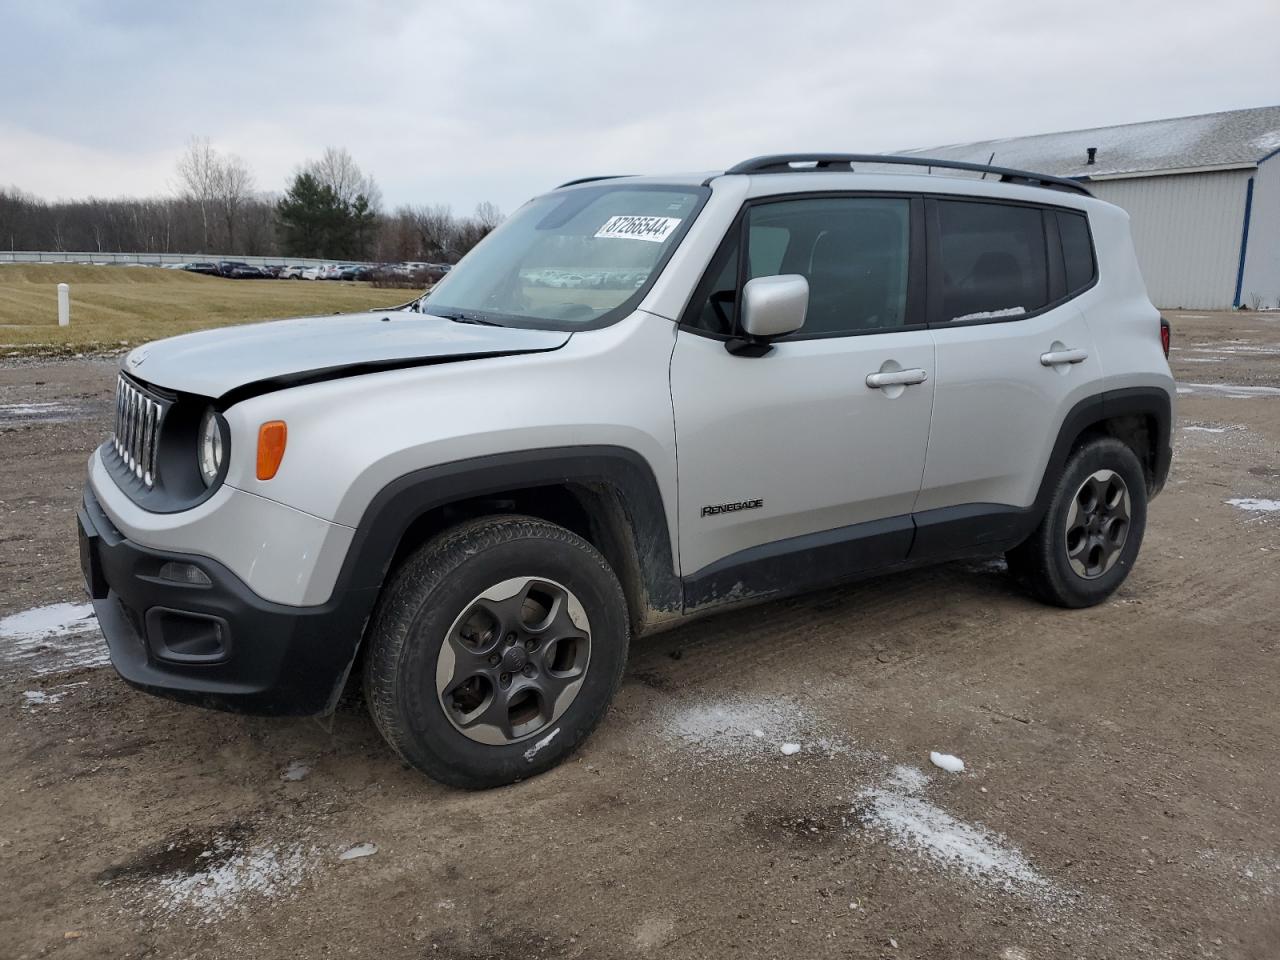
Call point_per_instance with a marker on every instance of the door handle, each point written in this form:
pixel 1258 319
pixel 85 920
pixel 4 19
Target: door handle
pixel 896 378
pixel 1054 357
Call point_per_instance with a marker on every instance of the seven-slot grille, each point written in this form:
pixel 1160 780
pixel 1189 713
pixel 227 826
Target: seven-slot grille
pixel 137 431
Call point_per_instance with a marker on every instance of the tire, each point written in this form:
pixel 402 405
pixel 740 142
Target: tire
pixel 1077 558
pixel 540 665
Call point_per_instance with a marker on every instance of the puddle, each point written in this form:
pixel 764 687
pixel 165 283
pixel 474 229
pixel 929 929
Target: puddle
pixel 52 639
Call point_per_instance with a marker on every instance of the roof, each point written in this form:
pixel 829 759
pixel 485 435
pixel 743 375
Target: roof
pixel 1234 138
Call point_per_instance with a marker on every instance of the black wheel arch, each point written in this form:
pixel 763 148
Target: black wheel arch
pixel 1140 417
pixel 606 494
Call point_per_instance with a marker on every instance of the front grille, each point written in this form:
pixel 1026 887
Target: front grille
pixel 137 430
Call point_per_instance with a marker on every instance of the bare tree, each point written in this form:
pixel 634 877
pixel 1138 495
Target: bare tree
pixel 435 228
pixel 338 170
pixel 199 171
pixel 487 215
pixel 471 230
pixel 233 187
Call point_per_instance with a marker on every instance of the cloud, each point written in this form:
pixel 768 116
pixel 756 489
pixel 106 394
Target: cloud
pixel 480 100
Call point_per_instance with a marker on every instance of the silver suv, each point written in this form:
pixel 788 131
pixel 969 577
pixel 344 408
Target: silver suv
pixel 641 399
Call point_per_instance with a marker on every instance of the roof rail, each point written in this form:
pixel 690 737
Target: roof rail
pixel 607 176
pixel 784 163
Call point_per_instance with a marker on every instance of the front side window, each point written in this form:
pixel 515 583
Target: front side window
pixel 993 260
pixel 568 259
pixel 854 251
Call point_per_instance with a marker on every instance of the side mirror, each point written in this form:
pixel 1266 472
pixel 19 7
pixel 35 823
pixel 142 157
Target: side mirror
pixel 772 307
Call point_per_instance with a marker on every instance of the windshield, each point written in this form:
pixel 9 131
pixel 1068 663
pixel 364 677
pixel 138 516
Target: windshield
pixel 569 259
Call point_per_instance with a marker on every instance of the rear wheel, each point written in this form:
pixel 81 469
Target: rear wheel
pixel 495 650
pixel 1092 530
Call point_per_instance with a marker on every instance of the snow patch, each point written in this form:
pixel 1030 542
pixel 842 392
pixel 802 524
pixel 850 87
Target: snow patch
pixel 1268 141
pixel 232 878
pixel 43 698
pixel 742 729
pixel 1253 505
pixel 1231 390
pixel 358 851
pixel 946 761
pixel 790 749
pixel 911 823
pixel 991 314
pixel 296 770
pixel 989 565
pixel 1205 429
pixel 52 639
pixel 43 623
pixel 53 411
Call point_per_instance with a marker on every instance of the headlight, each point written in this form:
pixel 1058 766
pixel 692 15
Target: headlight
pixel 213 447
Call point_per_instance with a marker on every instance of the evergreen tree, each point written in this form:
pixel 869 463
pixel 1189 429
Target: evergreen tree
pixel 314 222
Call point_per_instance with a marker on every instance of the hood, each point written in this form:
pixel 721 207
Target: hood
pixel 266 356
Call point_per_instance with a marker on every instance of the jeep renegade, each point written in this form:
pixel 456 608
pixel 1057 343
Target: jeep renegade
pixel 639 400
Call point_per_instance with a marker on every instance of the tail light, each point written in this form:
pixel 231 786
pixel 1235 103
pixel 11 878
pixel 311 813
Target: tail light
pixel 1166 334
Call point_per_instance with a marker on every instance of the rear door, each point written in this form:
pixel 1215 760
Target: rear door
pixel 1013 355
pixel 793 470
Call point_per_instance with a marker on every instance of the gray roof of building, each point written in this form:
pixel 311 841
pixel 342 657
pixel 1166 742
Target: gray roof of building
pixel 1231 138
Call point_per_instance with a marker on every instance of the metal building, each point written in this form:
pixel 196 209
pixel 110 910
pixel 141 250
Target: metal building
pixel 1203 193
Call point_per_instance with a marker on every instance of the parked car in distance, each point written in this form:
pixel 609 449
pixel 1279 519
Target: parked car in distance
pixel 290 273
pixel 356 271
pixel 205 267
pixel 471 503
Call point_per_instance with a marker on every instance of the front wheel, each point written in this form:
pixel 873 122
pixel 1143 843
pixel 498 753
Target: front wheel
pixel 1092 530
pixel 495 650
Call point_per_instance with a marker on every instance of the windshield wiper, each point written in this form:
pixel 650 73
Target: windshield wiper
pixel 459 317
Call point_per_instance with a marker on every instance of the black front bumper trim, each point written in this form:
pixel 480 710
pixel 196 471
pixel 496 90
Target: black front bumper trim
pixel 272 659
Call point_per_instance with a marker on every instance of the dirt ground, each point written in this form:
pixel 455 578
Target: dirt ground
pixel 1119 797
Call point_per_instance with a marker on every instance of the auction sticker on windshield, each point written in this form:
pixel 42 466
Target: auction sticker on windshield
pixel 654 229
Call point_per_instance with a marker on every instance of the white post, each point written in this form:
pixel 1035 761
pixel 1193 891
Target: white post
pixel 64 305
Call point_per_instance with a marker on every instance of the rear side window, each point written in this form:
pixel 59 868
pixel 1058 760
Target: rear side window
pixel 1077 251
pixel 993 260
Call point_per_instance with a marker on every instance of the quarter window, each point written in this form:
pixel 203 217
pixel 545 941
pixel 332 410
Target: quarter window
pixel 993 260
pixel 1077 251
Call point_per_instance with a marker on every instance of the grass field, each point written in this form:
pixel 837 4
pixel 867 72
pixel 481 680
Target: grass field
pixel 114 306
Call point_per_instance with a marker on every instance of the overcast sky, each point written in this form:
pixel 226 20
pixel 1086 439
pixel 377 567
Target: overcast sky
pixel 472 100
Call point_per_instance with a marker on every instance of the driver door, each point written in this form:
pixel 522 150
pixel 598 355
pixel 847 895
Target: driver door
pixel 793 470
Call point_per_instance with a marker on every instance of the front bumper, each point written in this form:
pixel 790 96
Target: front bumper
pixel 218 644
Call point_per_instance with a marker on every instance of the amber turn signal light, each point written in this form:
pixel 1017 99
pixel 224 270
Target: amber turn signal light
pixel 272 436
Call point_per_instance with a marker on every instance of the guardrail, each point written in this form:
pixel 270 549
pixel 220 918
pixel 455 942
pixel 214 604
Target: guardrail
pixel 159 259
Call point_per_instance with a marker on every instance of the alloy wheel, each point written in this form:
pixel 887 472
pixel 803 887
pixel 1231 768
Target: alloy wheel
pixel 514 660
pixel 1097 524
